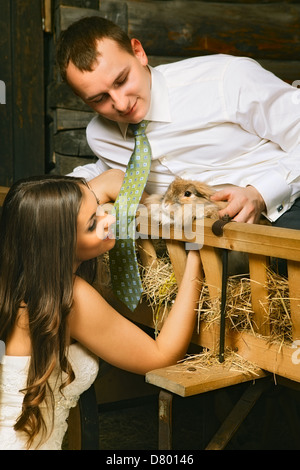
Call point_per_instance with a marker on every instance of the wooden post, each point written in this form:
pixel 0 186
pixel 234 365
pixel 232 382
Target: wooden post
pixel 178 258
pixel 294 294
pixel 259 293
pixel 212 266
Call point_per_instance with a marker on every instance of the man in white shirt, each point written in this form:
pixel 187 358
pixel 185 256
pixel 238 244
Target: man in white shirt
pixel 219 119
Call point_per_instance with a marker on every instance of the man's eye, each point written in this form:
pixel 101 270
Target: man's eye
pixel 101 99
pixel 121 82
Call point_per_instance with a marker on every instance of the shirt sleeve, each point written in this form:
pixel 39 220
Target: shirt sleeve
pixel 262 104
pixel 89 171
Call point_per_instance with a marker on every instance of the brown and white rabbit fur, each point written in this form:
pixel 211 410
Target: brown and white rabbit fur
pixel 170 211
pixel 170 206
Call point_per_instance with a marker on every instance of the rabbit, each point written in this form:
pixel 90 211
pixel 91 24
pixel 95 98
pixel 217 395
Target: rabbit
pixel 171 207
pixel 170 210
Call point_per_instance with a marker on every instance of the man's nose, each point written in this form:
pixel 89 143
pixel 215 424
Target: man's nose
pixel 120 102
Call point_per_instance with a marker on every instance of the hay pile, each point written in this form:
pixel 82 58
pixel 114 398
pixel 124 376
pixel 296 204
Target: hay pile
pixel 238 306
pixel 160 289
pixel 207 359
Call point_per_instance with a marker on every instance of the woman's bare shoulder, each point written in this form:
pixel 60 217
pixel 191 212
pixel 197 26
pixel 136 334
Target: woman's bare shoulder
pixel 82 288
pixel 85 296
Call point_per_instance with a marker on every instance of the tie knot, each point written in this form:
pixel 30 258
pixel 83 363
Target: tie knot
pixel 140 128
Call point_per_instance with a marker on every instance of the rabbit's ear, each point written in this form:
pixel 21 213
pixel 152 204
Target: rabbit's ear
pixel 178 179
pixel 203 190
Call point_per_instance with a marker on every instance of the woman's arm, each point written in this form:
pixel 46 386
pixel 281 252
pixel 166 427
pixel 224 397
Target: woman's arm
pixel 107 185
pixel 100 328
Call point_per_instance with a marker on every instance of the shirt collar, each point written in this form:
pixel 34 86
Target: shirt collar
pixel 159 110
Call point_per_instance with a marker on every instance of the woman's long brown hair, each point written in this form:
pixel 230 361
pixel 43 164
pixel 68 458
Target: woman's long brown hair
pixel 37 248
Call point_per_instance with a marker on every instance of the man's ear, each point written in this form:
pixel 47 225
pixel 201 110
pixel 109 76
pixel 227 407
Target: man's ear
pixel 139 51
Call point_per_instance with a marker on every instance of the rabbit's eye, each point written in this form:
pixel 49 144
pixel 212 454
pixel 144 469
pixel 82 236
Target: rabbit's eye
pixel 187 193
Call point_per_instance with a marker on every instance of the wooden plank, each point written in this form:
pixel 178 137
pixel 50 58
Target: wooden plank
pixel 186 380
pixel 196 28
pixel 3 192
pixel 22 117
pixel 47 16
pixel 248 238
pixel 66 15
pixel 207 336
pixel 294 294
pixel 6 110
pixel 65 119
pixel 259 239
pixel 147 252
pixel 165 426
pixel 28 88
pixel 275 358
pixel 212 266
pixel 60 95
pixel 94 4
pixel 259 293
pixel 114 11
pixel 74 429
pixel 237 415
pixel 72 142
pixel 177 256
pixel 269 31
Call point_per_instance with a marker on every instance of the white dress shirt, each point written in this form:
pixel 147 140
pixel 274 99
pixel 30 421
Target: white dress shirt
pixel 219 119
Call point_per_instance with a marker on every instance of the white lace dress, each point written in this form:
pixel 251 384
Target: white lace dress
pixel 13 377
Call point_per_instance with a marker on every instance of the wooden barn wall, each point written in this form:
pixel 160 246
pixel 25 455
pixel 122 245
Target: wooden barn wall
pixel 22 144
pixel 268 31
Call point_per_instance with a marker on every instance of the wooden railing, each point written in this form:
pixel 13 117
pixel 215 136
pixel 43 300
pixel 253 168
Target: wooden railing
pixel 260 242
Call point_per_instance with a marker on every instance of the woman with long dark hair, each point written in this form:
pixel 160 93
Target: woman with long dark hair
pixel 53 322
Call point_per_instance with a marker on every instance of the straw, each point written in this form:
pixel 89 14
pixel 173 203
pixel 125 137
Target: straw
pixel 207 359
pixel 160 290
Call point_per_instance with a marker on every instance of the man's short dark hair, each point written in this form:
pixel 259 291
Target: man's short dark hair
pixel 78 43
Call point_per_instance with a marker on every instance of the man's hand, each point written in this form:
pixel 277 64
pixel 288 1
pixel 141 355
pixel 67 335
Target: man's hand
pixel 244 204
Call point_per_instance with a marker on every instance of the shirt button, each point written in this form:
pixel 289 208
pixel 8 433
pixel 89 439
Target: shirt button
pixel 279 208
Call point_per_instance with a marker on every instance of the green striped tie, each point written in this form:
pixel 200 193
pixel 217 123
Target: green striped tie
pixel 125 275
